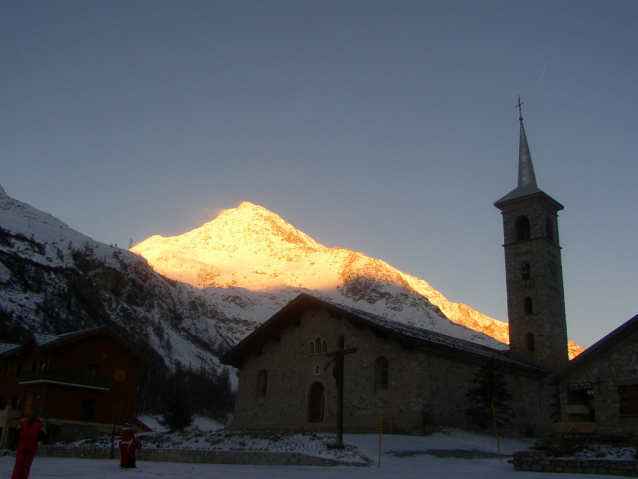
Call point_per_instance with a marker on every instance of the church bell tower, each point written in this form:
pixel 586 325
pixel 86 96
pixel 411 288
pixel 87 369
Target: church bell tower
pixel 533 268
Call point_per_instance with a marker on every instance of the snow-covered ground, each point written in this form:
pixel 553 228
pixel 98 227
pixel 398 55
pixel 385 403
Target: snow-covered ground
pixel 445 454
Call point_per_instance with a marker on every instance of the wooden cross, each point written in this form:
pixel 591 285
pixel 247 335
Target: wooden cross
pixel 520 113
pixel 337 372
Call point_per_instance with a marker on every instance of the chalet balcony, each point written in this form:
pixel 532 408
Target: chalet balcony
pixel 64 378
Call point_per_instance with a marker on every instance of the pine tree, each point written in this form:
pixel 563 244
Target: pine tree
pixel 178 412
pixel 489 387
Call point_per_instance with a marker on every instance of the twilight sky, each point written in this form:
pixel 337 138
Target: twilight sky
pixel 386 127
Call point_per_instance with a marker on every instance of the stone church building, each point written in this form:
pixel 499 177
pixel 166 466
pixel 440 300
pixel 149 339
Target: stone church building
pixel 414 378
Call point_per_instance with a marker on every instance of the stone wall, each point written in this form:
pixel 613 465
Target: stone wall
pixel 257 458
pixel 541 461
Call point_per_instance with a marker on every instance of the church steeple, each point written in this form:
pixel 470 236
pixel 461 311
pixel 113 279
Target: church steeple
pixel 533 270
pixel 526 176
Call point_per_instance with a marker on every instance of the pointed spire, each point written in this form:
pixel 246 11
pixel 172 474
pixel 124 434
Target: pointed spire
pixel 526 176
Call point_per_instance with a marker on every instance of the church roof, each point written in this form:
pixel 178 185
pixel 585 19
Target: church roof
pixel 526 177
pixel 407 335
pixel 592 352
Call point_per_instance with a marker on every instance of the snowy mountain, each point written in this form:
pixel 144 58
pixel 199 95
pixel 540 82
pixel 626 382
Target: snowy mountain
pixel 249 257
pixel 56 280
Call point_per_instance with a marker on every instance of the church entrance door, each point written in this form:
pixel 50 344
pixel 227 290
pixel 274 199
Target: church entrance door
pixel 317 403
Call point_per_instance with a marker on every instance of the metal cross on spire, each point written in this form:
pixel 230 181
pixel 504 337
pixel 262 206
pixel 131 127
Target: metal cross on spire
pixel 520 113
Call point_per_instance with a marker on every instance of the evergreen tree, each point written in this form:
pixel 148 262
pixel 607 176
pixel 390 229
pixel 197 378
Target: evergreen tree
pixel 178 411
pixel 489 387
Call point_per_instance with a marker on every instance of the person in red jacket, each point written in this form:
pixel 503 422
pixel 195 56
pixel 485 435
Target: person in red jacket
pixel 128 444
pixel 31 430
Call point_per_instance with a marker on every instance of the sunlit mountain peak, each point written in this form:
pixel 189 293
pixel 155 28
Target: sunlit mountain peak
pixel 253 248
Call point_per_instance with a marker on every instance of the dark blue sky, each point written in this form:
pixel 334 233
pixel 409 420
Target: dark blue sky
pixel 386 127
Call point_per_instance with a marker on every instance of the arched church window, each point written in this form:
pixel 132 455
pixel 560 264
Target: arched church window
pixel 312 347
pixel 381 373
pixel 522 228
pixel 530 342
pixel 549 229
pixel 526 270
pixel 529 307
pixel 262 383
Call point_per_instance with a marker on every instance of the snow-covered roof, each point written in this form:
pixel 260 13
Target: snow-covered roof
pixel 43 339
pixel 52 340
pixel 409 334
pixel 7 347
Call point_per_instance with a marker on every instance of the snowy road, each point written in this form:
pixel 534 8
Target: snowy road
pixel 406 468
pixel 403 458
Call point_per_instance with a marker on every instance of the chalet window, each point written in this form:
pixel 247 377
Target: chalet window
pixel 119 375
pixel 381 373
pixel 528 305
pixel 531 346
pixel 88 409
pixel 18 369
pixel 628 396
pixel 91 372
pixel 262 383
pixel 522 228
pixel 34 366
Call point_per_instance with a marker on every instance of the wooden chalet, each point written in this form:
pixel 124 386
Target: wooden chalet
pixel 80 383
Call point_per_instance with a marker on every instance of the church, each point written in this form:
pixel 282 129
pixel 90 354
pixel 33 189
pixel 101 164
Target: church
pixel 407 378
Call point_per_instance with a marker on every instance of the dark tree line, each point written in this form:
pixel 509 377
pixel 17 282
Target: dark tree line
pixel 179 394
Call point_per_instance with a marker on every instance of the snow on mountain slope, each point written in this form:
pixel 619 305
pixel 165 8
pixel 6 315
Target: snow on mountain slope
pixel 253 261
pixel 54 279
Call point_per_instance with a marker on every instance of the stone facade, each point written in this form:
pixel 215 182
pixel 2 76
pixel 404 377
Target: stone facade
pixel 425 385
